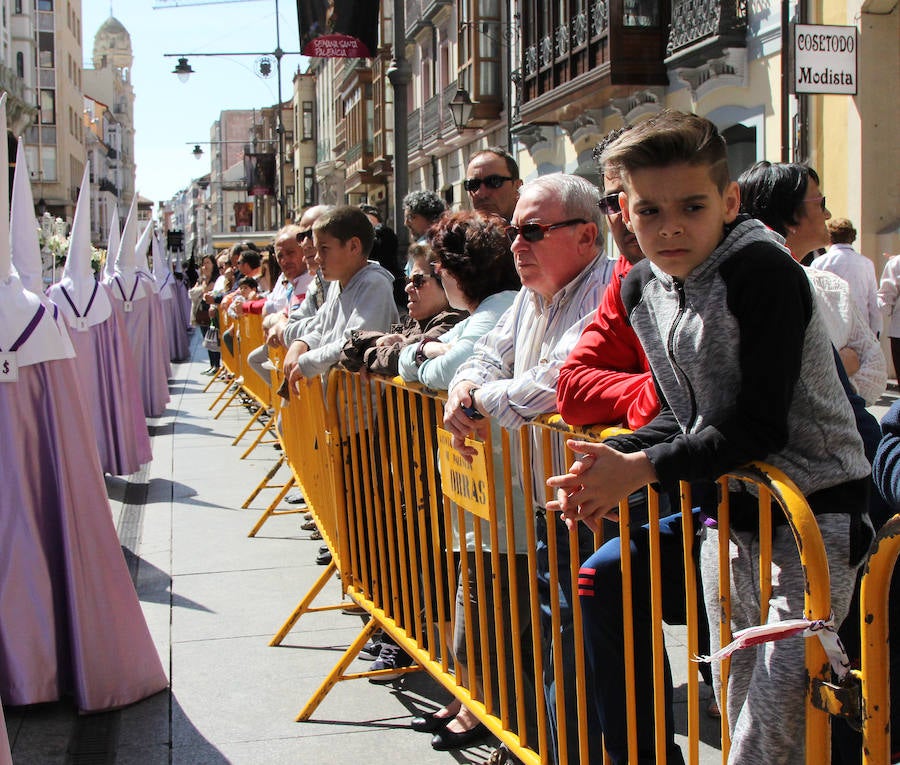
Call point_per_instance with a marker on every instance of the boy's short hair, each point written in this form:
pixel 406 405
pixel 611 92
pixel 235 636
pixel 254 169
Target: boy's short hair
pixel 610 138
pixel 841 231
pixel 669 138
pixel 773 192
pixel 249 281
pixel 346 222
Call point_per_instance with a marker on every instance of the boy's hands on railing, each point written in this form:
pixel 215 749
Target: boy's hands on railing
pixel 291 373
pixel 458 422
pixel 598 479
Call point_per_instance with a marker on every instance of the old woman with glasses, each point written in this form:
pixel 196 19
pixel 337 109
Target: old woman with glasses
pixel 475 267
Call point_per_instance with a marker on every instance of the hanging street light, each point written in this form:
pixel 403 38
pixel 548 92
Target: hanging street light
pixel 461 109
pixel 183 70
pixel 197 152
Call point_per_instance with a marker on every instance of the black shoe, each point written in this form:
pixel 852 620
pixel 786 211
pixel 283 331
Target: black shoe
pixel 323 559
pixel 390 657
pixel 446 740
pixel 428 723
pixel 323 549
pixel 370 650
pixel 295 498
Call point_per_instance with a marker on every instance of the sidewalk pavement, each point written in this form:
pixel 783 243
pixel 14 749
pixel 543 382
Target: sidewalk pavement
pixel 213 598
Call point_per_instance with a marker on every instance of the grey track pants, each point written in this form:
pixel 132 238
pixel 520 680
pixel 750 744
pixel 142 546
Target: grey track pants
pixel 767 683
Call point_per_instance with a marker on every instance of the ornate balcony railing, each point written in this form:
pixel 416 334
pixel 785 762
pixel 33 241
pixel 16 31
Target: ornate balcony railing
pixel 702 29
pixel 414 130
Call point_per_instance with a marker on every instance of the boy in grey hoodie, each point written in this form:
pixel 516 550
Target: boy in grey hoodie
pixel 360 295
pixel 745 371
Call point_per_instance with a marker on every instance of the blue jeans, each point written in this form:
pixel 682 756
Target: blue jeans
pixel 600 592
pixel 566 635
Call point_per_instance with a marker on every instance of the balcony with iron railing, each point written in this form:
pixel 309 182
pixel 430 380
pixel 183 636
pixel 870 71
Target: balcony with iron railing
pixel 107 185
pixel 607 50
pixel 414 130
pixel 702 30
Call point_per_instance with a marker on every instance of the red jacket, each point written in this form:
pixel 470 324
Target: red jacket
pixel 606 379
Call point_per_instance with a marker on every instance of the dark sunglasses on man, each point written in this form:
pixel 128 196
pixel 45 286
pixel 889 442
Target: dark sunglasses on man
pixel 491 181
pixel 304 235
pixel 534 232
pixel 609 204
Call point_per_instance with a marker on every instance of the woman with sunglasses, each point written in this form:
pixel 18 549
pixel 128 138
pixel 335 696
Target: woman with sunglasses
pixel 429 315
pixel 788 199
pixel 474 264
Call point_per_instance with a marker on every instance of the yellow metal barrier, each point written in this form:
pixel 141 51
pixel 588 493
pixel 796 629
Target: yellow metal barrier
pixel 231 361
pixel 875 661
pixel 250 337
pixel 400 525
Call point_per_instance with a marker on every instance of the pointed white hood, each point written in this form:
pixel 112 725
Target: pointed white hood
pixel 26 247
pixel 26 319
pixel 112 246
pixel 78 294
pixel 127 285
pixel 162 273
pixel 140 257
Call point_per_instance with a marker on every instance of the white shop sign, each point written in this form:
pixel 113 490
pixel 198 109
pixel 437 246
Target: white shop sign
pixel 825 59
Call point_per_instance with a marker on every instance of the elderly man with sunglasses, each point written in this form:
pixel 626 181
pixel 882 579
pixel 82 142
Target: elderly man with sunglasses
pixel 492 182
pixel 557 243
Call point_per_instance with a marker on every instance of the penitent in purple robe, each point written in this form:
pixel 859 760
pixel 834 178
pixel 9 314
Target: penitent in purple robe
pixel 70 621
pixel 109 382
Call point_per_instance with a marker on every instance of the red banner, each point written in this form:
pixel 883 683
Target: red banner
pixel 338 28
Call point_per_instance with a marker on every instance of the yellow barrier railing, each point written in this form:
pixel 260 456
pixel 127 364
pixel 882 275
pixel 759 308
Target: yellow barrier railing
pixel 874 674
pixel 398 538
pixel 406 529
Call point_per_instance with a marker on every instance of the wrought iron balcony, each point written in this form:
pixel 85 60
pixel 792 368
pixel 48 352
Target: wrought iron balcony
pixel 107 185
pixel 414 130
pixel 703 29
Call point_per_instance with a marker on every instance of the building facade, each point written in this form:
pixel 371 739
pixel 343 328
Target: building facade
pixel 45 45
pixel 549 79
pixel 109 82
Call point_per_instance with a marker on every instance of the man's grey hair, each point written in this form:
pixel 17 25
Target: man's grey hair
pixel 579 198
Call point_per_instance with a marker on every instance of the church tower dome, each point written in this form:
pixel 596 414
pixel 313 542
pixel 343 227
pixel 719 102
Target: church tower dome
pixel 112 47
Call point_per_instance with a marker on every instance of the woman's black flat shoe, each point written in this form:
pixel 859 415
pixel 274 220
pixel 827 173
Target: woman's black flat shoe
pixel 446 740
pixel 429 723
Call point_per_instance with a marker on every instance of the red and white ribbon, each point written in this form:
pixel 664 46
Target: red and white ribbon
pixel 766 633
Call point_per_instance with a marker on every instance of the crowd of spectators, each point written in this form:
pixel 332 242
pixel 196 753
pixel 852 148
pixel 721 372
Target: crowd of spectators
pixel 515 308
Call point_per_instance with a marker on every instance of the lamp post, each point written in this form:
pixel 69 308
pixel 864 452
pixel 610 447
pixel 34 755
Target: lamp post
pixel 183 70
pixel 462 106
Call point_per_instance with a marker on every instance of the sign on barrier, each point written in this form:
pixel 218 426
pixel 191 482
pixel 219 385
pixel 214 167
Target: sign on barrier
pixel 463 482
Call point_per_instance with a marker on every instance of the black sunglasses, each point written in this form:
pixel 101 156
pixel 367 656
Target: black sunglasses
pixel 304 235
pixel 609 204
pixel 491 181
pixel 534 232
pixel 820 200
pixel 418 280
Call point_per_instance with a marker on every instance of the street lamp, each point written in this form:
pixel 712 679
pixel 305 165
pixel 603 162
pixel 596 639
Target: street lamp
pixel 183 70
pixel 461 108
pixel 197 152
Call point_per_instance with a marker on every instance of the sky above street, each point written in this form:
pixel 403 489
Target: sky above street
pixel 168 114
